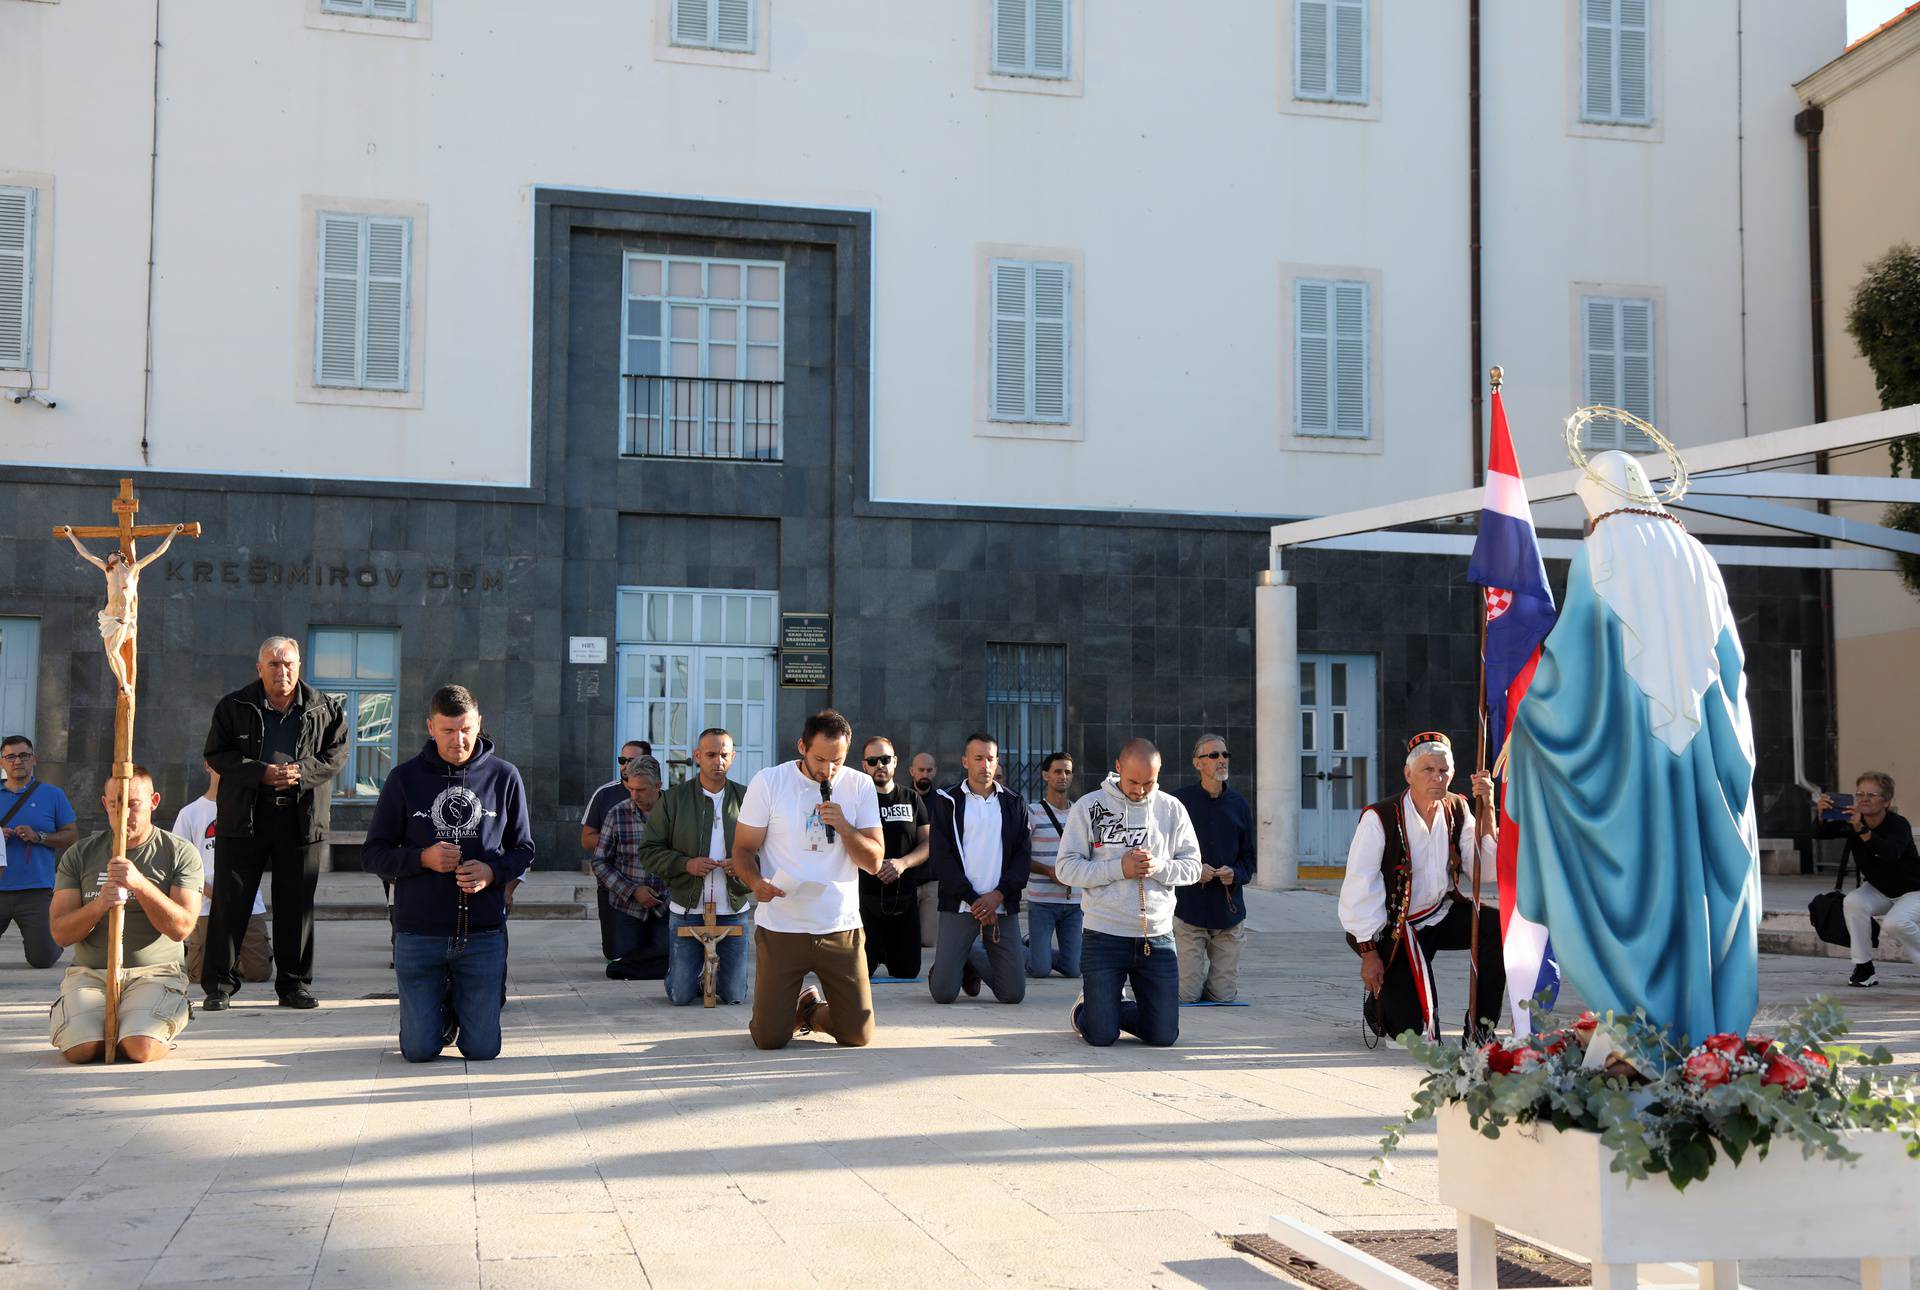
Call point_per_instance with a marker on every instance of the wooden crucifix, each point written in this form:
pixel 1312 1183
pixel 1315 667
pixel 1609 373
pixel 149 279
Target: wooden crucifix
pixel 709 934
pixel 120 635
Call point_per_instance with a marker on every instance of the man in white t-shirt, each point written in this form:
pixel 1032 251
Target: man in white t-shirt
pixel 806 830
pixel 195 823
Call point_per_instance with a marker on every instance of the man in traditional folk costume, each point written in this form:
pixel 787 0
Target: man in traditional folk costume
pixel 1402 902
pixel 1630 772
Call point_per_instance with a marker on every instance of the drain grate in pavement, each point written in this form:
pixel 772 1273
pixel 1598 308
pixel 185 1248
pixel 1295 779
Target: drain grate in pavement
pixel 382 994
pixel 1427 1253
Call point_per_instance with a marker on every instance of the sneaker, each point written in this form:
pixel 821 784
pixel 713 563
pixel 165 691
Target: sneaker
pixel 1863 976
pixel 450 1033
pixel 1073 1013
pixel 810 998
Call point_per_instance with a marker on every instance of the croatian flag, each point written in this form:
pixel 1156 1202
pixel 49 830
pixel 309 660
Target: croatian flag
pixel 1520 612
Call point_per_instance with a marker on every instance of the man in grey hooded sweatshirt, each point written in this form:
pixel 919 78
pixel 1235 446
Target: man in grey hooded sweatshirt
pixel 1127 846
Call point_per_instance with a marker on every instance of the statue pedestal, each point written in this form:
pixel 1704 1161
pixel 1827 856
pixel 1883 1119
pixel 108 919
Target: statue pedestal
pixel 1556 1187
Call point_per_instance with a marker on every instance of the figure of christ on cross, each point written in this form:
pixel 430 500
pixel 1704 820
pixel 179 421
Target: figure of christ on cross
pixel 709 934
pixel 120 634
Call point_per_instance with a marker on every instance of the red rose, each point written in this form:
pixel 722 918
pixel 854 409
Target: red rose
pixel 1725 1045
pixel 1812 1058
pixel 1708 1069
pixel 1759 1044
pixel 1555 1044
pixel 1784 1072
pixel 1586 1024
pixel 1499 1060
pixel 1526 1059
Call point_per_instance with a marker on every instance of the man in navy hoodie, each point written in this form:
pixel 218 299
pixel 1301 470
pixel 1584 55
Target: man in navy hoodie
pixel 450 831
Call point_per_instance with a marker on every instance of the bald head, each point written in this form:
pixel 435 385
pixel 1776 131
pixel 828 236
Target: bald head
pixel 1138 767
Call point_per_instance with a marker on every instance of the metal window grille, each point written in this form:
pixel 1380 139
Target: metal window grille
pixel 1026 708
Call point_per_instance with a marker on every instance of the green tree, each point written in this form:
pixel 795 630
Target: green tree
pixel 1884 321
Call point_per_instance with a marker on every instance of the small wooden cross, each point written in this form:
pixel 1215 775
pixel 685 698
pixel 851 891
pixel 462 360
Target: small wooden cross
pixel 710 934
pixel 120 632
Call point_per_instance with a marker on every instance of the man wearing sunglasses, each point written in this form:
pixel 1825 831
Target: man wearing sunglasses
pixel 1880 845
pixel 36 821
pixel 889 897
pixel 1209 916
pixel 604 799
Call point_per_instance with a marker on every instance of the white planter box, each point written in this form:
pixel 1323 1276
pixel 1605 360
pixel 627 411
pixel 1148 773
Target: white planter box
pixel 1557 1187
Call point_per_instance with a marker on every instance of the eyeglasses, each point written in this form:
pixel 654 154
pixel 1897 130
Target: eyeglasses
pixel 878 761
pixel 1870 797
pixel 20 756
pixel 1222 755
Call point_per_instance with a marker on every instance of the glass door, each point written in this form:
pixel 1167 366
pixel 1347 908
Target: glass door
pixel 1338 772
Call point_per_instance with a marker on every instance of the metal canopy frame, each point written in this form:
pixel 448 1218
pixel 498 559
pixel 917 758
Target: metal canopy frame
pixel 1724 483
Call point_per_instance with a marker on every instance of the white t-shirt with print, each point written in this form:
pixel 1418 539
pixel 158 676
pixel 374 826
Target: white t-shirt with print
pixel 195 824
pixel 821 882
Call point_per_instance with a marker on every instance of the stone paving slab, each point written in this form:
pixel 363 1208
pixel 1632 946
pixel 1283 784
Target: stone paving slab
pixel 621 1142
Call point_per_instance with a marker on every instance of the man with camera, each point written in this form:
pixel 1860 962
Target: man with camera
pixel 1880 845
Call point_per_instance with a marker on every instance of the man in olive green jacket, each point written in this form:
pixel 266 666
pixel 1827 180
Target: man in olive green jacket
pixel 689 842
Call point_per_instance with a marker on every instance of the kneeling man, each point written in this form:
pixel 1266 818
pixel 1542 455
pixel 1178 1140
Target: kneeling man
pixel 1127 846
pixel 689 845
pixel 159 881
pixel 451 831
pixel 1401 900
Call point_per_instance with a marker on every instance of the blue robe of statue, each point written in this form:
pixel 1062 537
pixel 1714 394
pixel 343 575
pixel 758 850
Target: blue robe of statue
pixel 1640 860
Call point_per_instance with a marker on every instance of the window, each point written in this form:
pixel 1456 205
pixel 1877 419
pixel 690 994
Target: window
pixel 17 207
pixel 713 24
pixel 361 338
pixel 397 9
pixel 1026 709
pixel 1617 338
pixel 1029 38
pixel 1332 365
pixel 360 666
pixel 1616 62
pixel 1029 361
pixel 1330 50
pixel 702 358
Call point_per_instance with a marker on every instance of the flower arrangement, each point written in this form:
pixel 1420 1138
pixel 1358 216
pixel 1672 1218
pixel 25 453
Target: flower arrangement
pixel 1663 1109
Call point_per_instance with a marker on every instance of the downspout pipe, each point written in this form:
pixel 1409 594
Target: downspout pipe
pixel 1474 364
pixel 1808 125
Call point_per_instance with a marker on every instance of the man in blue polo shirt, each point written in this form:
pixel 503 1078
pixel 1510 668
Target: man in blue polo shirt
pixel 38 821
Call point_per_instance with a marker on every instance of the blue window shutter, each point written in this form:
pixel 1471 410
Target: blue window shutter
pixel 388 253
pixel 1008 360
pixel 1636 370
pixel 733 25
pixel 1633 54
pixel 1597 31
pixel 1313 383
pixel 16 276
pixel 1049 37
pixel 689 22
pixel 1350 51
pixel 1312 21
pixel 400 10
pixel 1052 359
pixel 337 330
pixel 1600 320
pixel 1350 343
pixel 1012 52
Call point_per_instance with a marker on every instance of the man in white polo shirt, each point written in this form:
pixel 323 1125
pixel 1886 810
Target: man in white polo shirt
pixel 806 830
pixel 196 823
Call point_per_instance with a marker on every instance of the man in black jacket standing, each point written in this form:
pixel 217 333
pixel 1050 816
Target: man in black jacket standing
pixel 276 744
pixel 1880 845
pixel 981 844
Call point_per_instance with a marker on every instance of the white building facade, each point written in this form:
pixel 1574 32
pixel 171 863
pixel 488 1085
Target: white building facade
pixel 995 330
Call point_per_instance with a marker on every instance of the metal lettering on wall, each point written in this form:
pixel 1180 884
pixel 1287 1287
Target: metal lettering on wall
pixel 806 651
pixel 363 576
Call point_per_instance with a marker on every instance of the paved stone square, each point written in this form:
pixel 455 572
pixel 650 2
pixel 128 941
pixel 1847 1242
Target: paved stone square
pixel 621 1142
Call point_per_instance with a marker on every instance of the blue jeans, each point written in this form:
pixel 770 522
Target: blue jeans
pixel 434 976
pixel 639 946
pixel 685 959
pixel 1112 961
pixel 1045 920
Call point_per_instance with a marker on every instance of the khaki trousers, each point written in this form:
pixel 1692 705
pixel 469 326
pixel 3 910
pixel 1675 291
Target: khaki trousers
pixel 1209 961
pixel 256 951
pixel 153 1005
pixel 781 961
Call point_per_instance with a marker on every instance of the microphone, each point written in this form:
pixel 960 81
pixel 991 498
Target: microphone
pixel 826 795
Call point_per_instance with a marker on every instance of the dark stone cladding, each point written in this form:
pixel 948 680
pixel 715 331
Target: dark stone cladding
pixel 485 584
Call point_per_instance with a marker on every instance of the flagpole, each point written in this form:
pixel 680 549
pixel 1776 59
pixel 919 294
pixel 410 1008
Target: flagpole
pixel 1483 814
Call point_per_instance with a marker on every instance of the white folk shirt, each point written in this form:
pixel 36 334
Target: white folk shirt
pixel 1363 893
pixel 715 887
pixel 980 852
